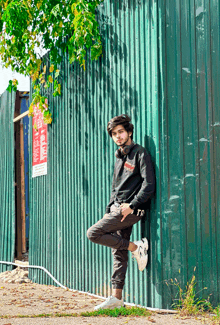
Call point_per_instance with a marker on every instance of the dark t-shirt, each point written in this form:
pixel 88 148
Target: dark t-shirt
pixel 133 179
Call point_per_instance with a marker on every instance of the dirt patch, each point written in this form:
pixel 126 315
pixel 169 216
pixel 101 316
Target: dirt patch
pixel 22 302
pixel 157 320
pixel 31 299
pixel 35 299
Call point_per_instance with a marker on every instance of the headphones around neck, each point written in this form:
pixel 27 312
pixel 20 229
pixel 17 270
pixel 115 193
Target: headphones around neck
pixel 121 152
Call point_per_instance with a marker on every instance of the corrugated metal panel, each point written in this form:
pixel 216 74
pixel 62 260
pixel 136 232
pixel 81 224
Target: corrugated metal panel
pixel 7 211
pixel 189 165
pixel 160 65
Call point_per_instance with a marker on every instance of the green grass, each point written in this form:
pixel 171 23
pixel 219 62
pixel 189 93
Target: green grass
pixel 187 303
pixel 129 311
pixel 133 311
pixel 216 317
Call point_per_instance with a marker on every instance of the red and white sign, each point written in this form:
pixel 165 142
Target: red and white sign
pixel 39 159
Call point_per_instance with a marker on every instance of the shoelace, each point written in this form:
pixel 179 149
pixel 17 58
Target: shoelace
pixel 140 248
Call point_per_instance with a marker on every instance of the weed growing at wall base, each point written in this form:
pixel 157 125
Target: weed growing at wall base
pixel 216 317
pixel 186 302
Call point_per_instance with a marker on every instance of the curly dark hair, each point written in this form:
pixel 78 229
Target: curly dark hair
pixel 120 120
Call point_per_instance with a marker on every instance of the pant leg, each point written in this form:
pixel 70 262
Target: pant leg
pixel 120 261
pixel 104 232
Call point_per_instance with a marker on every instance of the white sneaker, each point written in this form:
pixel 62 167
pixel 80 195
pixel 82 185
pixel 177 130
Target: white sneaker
pixel 141 253
pixel 110 303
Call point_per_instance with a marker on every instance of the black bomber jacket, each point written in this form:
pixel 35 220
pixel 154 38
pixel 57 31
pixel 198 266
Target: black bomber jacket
pixel 133 179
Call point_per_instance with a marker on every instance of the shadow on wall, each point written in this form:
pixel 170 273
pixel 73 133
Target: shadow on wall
pixel 103 84
pixel 149 228
pixel 103 81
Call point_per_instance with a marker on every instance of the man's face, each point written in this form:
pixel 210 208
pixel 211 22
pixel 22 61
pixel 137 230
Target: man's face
pixel 120 136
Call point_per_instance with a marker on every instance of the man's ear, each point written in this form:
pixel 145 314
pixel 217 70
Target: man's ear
pixel 129 134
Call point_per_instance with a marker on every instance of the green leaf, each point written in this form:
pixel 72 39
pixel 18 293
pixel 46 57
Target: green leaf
pixel 55 10
pixel 47 85
pixel 9 88
pixel 46 113
pixel 57 73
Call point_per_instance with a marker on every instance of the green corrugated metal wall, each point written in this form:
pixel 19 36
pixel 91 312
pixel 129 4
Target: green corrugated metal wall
pixel 160 65
pixel 189 144
pixel 7 199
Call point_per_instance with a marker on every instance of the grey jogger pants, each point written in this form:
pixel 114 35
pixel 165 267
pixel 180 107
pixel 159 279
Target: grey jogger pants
pixel 111 232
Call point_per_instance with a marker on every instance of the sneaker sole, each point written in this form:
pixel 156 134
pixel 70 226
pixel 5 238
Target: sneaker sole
pixel 108 307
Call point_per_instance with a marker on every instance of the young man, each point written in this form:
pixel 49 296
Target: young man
pixel 133 184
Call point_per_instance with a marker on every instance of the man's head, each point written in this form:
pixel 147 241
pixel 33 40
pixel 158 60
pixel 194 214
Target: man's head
pixel 121 130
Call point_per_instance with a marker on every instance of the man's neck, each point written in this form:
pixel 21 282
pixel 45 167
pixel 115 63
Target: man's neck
pixel 128 143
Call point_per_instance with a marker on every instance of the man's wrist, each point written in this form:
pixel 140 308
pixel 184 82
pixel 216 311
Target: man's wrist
pixel 131 207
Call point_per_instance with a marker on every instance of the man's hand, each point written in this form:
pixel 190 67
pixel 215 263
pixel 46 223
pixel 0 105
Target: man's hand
pixel 125 210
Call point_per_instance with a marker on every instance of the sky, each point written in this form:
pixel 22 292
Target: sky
pixel 7 74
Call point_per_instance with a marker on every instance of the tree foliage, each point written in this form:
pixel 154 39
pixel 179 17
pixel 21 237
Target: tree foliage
pixel 56 25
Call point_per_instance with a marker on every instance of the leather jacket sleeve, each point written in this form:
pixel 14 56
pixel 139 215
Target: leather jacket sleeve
pixel 148 184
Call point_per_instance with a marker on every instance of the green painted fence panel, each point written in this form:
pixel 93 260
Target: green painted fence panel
pixel 7 198
pixel 191 72
pixel 160 65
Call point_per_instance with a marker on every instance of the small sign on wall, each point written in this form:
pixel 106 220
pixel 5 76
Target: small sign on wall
pixel 39 159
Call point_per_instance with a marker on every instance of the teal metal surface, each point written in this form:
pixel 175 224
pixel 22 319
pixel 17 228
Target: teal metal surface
pixel 161 66
pixel 189 166
pixel 7 199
